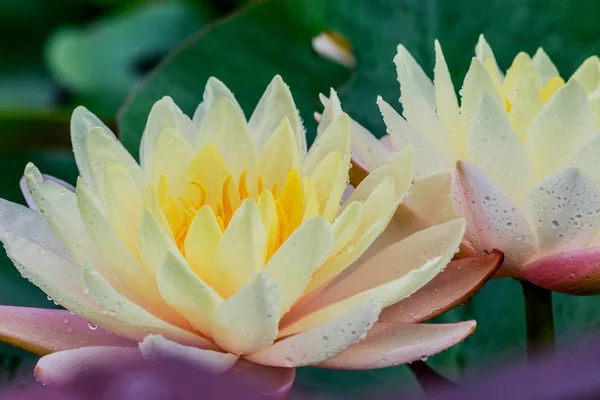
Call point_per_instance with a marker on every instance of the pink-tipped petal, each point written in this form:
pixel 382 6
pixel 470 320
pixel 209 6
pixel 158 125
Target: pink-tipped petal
pixel 43 331
pixel 61 367
pixel 27 195
pixel 457 283
pixel 493 219
pixel 271 381
pixel 573 272
pixel 395 344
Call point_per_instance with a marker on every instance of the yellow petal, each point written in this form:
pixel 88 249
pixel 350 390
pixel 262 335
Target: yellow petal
pixel 554 83
pixel 336 138
pixel 172 157
pixel 548 146
pixel 275 104
pixel 210 170
pixel 201 244
pixel 330 179
pixel 495 148
pixel 247 321
pixel 293 264
pixel 268 214
pixel 186 293
pixel 225 127
pixel 242 250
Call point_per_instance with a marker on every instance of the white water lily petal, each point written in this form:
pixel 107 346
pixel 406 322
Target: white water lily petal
pixel 100 148
pixel 164 114
pixel 294 263
pixel 588 74
pixel 186 292
pixel 82 121
pixel 25 191
pixel 214 91
pixel 418 102
pixel 525 107
pixel 58 206
pixel 485 55
pixel 346 225
pixel 587 159
pixel 131 313
pixel 155 347
pixel 225 127
pixel 565 211
pixel 494 147
pixel 493 220
pixel 247 322
pixel 336 138
pixel 447 103
pixel 544 66
pixel 275 104
pixel 521 68
pixel 594 99
pixel 548 145
pixel 172 157
pixel 477 83
pixel 241 252
pixel 154 242
pixel 427 161
pixel 321 343
pixel 30 225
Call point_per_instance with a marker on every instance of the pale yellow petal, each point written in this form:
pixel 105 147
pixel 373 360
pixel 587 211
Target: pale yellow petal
pixel 294 263
pixel 427 161
pixel 525 107
pixel 154 242
pixel 133 314
pixel 346 225
pixel 247 322
pixel 477 83
pixel 164 114
pixel 494 147
pixel 330 179
pixel 279 156
pixel 544 66
pixel 587 159
pixel 214 91
pixel 336 138
pixel 201 242
pixel 275 104
pixel 172 158
pixel 594 99
pixel 564 124
pixel 241 252
pixel 588 74
pixel 224 126
pixel 186 292
pixel 522 68
pixel 210 170
pixel 485 55
pixel 447 103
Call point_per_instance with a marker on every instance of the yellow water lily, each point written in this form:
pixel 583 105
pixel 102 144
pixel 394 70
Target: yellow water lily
pixel 524 146
pixel 229 243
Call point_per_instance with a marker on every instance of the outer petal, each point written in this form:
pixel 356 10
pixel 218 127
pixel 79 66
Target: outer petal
pixel 485 55
pixel 82 121
pixel 156 346
pixel 271 381
pixel 494 147
pixel 319 344
pixel 587 159
pixel 417 97
pixel 493 220
pixel 25 190
pixel 275 104
pixel 588 74
pixel 43 331
pixel 59 368
pixel 131 313
pixel 565 211
pixel 573 272
pixel 427 159
pixel 477 83
pixel 30 225
pixel 400 344
pixel 548 146
pixel 247 321
pixel 460 280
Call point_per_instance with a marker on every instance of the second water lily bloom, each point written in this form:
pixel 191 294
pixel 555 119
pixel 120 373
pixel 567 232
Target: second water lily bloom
pixel 230 245
pixel 523 147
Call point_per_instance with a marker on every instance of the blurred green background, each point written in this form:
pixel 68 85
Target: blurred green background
pixel 109 55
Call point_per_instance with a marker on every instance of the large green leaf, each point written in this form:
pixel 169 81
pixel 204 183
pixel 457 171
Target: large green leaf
pixel 245 51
